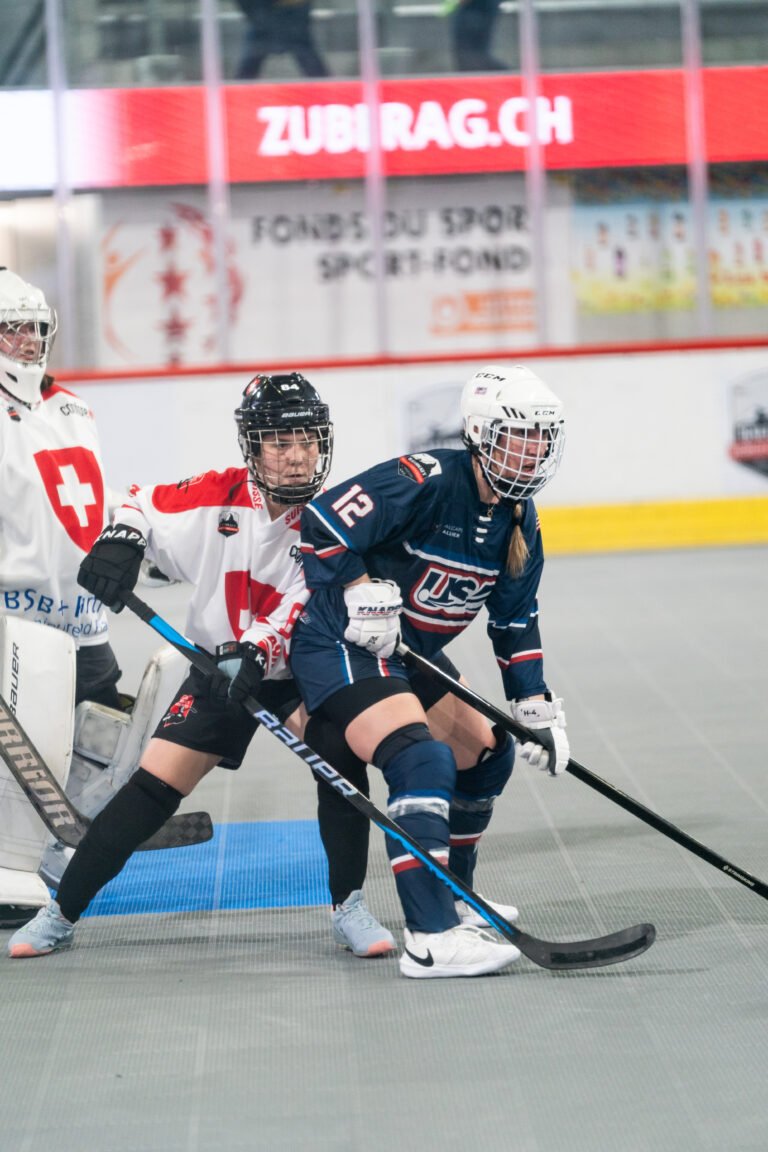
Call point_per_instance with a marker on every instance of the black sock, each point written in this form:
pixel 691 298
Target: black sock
pixel 138 810
pixel 343 830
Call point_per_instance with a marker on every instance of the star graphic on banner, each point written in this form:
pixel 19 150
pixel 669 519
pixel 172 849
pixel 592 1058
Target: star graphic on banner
pixel 172 282
pixel 175 328
pixel 236 288
pixel 167 238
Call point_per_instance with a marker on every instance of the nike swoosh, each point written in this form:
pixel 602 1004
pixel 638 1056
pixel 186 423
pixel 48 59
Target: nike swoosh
pixel 425 961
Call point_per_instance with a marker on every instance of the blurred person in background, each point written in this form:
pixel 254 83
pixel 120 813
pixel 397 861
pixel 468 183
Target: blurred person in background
pixel 473 23
pixel 279 27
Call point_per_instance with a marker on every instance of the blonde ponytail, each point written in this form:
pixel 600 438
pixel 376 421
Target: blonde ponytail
pixel 517 553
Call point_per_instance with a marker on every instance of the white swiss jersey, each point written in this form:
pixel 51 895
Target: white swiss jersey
pixel 52 510
pixel 214 531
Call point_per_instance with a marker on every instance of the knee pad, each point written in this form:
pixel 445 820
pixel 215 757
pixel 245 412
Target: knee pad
pixel 421 778
pixel 478 787
pixel 398 741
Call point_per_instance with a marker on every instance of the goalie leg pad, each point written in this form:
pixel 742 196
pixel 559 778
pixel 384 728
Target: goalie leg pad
pixel 109 744
pixel 32 657
pixel 21 894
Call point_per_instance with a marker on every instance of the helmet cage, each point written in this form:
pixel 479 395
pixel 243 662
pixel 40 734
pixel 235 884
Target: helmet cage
pixel 282 405
pixel 27 331
pixel 505 451
pixel 514 425
pixel 251 440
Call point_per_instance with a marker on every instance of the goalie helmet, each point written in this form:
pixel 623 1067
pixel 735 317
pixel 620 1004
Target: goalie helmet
pixel 27 328
pixel 513 424
pixel 284 403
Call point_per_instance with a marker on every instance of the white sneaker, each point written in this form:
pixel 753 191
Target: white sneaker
pixel 468 915
pixel 460 951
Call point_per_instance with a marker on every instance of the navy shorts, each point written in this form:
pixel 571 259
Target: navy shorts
pixel 203 722
pixel 321 669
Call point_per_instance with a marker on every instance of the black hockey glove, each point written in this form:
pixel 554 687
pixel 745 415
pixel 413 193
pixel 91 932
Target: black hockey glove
pixel 112 565
pixel 244 666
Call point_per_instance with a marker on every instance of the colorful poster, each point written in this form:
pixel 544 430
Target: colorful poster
pixel 633 257
pixel 738 252
pixel 300 273
pixel 637 256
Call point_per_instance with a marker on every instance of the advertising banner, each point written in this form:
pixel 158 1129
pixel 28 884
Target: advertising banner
pixel 143 137
pixel 300 273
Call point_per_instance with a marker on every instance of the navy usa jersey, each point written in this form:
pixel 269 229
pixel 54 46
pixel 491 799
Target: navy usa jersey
pixel 418 520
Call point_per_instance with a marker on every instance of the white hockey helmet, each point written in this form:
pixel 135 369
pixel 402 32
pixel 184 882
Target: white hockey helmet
pixel 513 423
pixel 27 328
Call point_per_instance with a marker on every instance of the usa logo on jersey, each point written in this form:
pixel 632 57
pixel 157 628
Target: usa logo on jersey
pixel 455 596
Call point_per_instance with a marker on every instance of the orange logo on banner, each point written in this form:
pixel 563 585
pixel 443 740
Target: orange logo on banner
pixel 499 311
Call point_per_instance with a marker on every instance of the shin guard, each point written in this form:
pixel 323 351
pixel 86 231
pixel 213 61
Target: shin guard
pixel 343 830
pixel 472 803
pixel 138 810
pixel 421 779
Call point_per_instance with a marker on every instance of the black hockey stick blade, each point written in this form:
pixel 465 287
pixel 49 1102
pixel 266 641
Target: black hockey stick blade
pixel 558 956
pixel 610 791
pixel 182 830
pixel 57 812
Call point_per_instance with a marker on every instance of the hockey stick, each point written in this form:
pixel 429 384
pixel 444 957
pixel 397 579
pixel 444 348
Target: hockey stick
pixel 56 811
pixel 611 949
pixel 610 791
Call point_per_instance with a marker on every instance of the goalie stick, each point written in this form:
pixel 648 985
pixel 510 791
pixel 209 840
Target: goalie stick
pixel 557 956
pixel 57 812
pixel 523 734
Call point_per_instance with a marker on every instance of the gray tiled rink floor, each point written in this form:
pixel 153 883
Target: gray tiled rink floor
pixel 250 1031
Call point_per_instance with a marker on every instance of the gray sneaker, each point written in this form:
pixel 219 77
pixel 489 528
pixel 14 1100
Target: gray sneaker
pixel 48 932
pixel 358 930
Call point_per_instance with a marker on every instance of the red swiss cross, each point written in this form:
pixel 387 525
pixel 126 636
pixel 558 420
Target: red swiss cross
pixel 246 599
pixel 75 488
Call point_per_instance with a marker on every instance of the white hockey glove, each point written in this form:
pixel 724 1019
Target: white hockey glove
pixel 548 719
pixel 373 609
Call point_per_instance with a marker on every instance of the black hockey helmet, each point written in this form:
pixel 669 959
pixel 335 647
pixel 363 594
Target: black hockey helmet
pixel 284 402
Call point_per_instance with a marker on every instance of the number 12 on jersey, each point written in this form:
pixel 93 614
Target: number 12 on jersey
pixel 353 505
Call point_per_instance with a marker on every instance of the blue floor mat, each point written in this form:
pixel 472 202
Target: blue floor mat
pixel 276 864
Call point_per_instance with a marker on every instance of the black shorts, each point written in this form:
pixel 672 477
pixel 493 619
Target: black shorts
pixel 347 703
pixel 205 723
